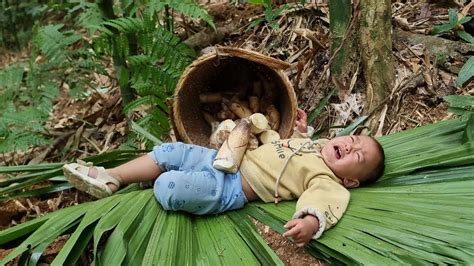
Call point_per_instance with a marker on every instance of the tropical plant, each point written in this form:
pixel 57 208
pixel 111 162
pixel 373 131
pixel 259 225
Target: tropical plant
pixel 466 73
pixel 453 24
pixel 418 212
pixel 16 21
pixel 270 14
pixel 27 90
pixel 148 57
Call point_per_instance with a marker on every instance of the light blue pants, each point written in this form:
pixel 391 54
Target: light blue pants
pixel 189 182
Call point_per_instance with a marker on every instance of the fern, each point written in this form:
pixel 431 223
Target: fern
pixel 90 17
pixel 27 97
pixel 52 42
pixel 11 77
pixel 21 128
pixel 189 8
pixel 19 140
pixel 148 58
pixel 155 72
pixel 193 10
pixel 123 25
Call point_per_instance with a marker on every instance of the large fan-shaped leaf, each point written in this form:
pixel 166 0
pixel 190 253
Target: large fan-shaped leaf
pixel 419 212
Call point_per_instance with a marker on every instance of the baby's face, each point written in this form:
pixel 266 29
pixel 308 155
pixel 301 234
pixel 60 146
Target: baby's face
pixel 351 158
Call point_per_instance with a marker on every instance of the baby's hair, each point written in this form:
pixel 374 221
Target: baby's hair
pixel 379 168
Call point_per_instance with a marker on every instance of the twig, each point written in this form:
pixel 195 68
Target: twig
pixel 92 143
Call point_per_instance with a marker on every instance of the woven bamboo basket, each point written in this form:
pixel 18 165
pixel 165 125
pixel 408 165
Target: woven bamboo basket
pixel 218 71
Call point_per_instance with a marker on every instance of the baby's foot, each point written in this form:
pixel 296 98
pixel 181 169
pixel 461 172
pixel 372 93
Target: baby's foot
pixel 96 181
pixel 93 172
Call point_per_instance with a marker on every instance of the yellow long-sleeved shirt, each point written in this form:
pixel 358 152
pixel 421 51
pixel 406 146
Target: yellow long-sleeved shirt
pixel 305 177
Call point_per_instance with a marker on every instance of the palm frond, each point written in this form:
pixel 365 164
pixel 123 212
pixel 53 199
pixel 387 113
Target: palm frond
pixel 137 226
pixel 440 145
pixel 418 213
pixel 20 185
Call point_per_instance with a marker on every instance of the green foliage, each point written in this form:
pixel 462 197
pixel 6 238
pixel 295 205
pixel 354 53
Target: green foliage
pixel 463 106
pixel 419 212
pixel 460 104
pixel 354 125
pixel 271 15
pixel 148 58
pixel 16 21
pixel 153 58
pixel 466 73
pixel 188 8
pixel 89 16
pixel 21 126
pixel 53 43
pixel 28 89
pixel 317 111
pixel 453 25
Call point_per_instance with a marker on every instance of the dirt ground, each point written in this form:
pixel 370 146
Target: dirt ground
pixel 413 105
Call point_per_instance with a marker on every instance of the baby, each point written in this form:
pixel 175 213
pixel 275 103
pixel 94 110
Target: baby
pixel 316 173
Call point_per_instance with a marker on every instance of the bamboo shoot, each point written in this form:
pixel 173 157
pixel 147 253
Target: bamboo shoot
pixel 258 123
pixel 240 110
pixel 219 136
pixel 268 136
pixel 230 155
pixel 273 117
pixel 210 97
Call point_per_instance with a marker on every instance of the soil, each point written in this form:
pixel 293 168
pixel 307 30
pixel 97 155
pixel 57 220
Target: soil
pixel 103 128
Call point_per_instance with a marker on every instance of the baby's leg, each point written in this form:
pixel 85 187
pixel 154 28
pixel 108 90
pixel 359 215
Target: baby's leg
pixel 168 156
pixel 141 169
pixel 165 157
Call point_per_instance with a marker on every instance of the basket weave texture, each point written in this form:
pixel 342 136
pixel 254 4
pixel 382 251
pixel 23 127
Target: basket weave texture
pixel 220 71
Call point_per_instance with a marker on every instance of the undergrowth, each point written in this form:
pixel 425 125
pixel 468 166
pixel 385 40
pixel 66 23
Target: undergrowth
pixel 148 60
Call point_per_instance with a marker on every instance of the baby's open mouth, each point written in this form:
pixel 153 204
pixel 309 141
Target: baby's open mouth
pixel 338 152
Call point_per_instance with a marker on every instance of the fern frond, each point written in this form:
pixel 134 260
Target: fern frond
pixel 20 140
pixel 192 10
pixel 156 123
pixel 146 100
pixel 52 42
pixel 188 8
pixel 165 38
pixel 162 63
pixel 91 17
pixel 11 77
pixel 123 25
pixel 138 60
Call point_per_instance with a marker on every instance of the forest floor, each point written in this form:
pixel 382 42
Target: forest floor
pixel 95 124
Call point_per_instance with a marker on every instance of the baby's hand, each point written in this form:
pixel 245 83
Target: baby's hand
pixel 302 230
pixel 301 121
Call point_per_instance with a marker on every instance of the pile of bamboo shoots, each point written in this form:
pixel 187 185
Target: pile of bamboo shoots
pixel 225 109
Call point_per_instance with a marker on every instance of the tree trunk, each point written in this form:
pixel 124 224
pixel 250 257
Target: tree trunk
pixel 375 45
pixel 346 57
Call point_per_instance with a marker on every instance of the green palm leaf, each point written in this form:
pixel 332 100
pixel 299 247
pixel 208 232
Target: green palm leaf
pixel 419 212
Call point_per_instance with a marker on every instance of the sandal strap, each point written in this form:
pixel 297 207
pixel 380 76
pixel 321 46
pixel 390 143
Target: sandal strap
pixel 103 176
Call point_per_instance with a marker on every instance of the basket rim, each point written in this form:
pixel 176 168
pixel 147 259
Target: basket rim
pixel 275 65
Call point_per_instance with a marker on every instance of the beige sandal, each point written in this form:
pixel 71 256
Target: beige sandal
pixel 78 175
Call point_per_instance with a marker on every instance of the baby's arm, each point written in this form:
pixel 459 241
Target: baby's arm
pixel 302 230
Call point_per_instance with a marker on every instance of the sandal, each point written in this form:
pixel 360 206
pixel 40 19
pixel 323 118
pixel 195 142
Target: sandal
pixel 78 175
